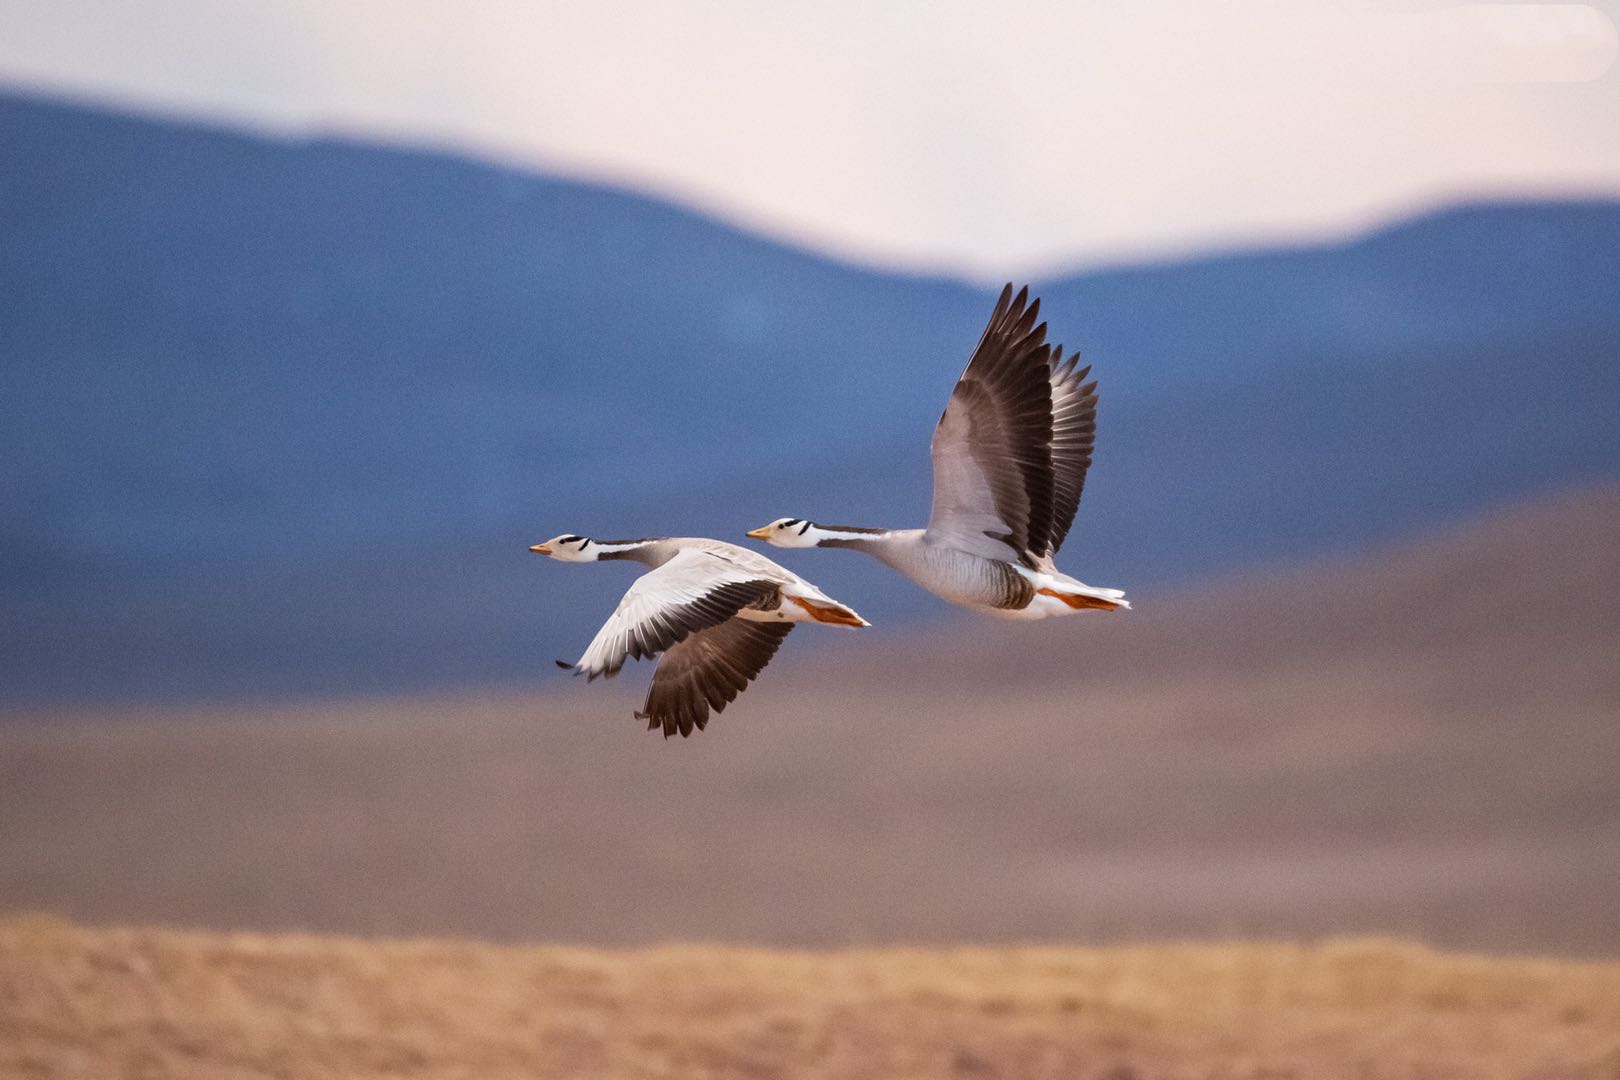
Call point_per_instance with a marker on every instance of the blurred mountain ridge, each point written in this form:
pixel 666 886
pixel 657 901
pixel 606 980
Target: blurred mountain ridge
pixel 244 374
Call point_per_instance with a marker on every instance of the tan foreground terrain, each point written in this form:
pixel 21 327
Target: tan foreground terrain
pixel 1421 743
pixel 113 1002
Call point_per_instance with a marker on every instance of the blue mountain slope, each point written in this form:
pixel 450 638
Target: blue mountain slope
pixel 260 345
pixel 1469 277
pixel 242 374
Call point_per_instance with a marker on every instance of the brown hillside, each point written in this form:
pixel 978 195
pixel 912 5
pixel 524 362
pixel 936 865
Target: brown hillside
pixel 1421 742
pixel 136 1003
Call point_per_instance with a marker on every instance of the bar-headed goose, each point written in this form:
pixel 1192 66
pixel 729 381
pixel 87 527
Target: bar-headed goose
pixel 716 611
pixel 1010 457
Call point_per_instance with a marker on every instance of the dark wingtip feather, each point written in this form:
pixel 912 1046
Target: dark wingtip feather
pixel 565 665
pixel 655 722
pixel 1065 371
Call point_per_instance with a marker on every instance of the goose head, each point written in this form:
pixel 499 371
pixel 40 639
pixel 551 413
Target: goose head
pixel 788 533
pixel 569 548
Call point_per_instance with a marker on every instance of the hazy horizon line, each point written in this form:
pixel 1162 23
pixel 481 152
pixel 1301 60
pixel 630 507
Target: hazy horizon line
pixel 1237 243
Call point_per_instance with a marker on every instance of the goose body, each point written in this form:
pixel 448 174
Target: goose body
pixel 716 613
pixel 1010 455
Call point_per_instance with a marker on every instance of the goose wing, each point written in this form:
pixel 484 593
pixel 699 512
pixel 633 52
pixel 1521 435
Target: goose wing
pixel 692 592
pixel 707 670
pixel 992 450
pixel 1074 433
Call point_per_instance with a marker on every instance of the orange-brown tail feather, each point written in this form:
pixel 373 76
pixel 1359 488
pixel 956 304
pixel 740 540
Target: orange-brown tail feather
pixel 1080 602
pixel 837 614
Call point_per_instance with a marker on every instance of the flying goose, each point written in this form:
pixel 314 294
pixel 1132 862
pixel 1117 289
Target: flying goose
pixel 716 611
pixel 1010 456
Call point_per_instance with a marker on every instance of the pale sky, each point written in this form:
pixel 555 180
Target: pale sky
pixel 989 139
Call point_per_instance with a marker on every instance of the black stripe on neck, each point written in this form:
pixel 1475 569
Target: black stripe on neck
pixel 631 547
pixel 861 537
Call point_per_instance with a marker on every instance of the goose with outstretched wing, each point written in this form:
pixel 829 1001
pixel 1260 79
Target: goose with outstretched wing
pixel 1010 457
pixel 716 613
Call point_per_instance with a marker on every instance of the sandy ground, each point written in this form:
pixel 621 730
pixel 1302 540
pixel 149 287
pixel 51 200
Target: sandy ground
pixel 115 1002
pixel 143 1003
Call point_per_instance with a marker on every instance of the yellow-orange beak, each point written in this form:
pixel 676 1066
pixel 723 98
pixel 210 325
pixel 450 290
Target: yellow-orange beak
pixel 540 549
pixel 761 533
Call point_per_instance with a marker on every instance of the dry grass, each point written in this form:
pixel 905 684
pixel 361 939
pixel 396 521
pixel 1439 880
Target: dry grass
pixel 113 1002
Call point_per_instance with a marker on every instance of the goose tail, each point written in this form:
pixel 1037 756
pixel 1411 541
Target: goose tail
pixel 1083 597
pixel 817 606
